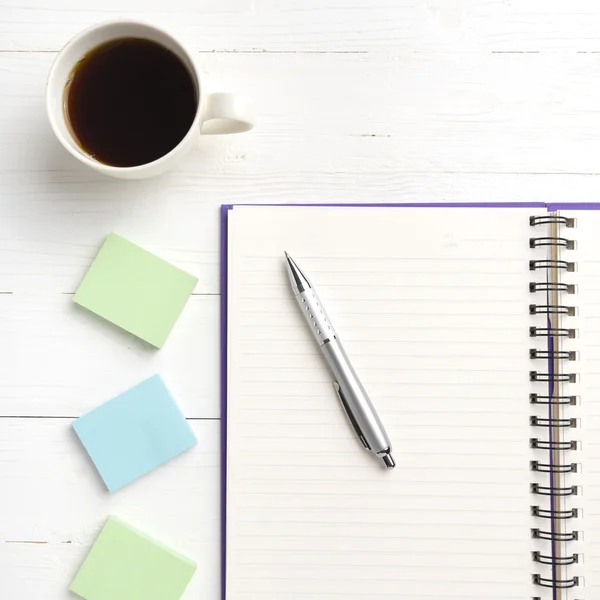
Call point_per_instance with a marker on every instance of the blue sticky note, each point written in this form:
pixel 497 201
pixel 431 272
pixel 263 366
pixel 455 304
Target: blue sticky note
pixel 135 432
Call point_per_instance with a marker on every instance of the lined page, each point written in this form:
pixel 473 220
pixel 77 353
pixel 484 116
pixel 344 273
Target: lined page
pixel 587 366
pixel 432 307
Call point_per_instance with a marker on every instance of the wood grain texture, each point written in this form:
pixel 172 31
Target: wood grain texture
pixel 64 360
pixel 57 504
pixel 322 25
pixel 390 101
pixel 386 127
pixel 337 113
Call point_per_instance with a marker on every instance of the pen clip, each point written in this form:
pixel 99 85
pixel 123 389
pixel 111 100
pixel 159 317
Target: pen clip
pixel 353 422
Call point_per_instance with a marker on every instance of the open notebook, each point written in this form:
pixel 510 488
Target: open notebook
pixel 461 323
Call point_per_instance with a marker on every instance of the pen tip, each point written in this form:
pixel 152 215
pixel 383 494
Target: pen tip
pixel 286 254
pixel 388 461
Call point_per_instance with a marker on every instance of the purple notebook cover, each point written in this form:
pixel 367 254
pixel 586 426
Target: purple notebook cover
pixel 225 208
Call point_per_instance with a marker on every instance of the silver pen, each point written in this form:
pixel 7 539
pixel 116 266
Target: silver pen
pixel 352 394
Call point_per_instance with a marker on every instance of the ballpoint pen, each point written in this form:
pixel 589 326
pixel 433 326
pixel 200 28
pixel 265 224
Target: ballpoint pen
pixel 352 394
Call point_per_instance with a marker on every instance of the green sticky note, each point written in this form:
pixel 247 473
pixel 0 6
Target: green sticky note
pixel 126 564
pixel 135 290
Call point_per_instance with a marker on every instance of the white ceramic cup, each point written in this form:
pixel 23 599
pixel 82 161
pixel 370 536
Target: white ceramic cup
pixel 216 113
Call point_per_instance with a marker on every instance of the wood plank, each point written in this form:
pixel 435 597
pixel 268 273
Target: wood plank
pixel 59 359
pixel 321 25
pixel 49 238
pixel 47 245
pixel 57 504
pixel 417 128
pixel 409 113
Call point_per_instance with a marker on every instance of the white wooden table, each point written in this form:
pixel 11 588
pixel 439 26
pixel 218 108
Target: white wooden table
pixel 381 100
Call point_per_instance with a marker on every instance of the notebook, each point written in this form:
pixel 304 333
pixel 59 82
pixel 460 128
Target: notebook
pixel 476 332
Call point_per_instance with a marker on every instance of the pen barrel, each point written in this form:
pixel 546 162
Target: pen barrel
pixel 315 316
pixel 356 400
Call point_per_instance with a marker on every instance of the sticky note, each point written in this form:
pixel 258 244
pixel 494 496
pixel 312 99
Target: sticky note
pixel 135 432
pixel 135 290
pixel 126 564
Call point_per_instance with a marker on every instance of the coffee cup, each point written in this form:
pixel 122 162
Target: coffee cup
pixel 211 113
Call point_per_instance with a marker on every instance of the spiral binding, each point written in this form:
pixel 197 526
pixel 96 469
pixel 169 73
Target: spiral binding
pixel 548 445
pixel 556 377
pixel 546 354
pixel 556 583
pixel 551 560
pixel 551 331
pixel 550 468
pixel 542 513
pixel 551 309
pixel 534 265
pixel 544 490
pixel 556 535
pixel 551 241
pixel 545 423
pixel 539 399
pixel 568 536
pixel 548 219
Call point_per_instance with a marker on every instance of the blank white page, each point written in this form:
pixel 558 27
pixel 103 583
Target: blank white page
pixel 432 307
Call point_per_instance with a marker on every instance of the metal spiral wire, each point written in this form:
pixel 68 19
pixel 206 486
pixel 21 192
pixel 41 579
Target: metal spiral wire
pixel 550 309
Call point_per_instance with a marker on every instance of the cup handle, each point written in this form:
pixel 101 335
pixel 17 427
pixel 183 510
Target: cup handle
pixel 225 113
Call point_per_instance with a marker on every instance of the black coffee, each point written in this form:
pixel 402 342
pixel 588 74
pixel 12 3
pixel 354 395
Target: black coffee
pixel 130 101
